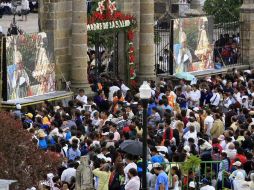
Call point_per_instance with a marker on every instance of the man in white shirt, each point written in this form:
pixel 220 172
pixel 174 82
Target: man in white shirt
pixel 190 134
pixel 134 182
pixel 227 101
pixel 215 100
pixel 112 90
pixel 130 164
pixel 69 173
pixel 81 97
pixel 208 122
pixel 194 96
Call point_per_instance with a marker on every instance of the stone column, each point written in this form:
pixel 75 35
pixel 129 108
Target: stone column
pixel 147 46
pixel 197 4
pixel 247 32
pixel 131 7
pixel 79 47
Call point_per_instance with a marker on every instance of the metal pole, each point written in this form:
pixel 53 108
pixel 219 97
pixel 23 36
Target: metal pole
pixel 144 162
pixel 97 59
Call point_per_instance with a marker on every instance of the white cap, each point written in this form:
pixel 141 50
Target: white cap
pixel 237 163
pixel 18 107
pixel 186 148
pixel 192 184
pixel 156 165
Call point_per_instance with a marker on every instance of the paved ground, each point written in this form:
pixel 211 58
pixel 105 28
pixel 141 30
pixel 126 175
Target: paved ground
pixel 29 26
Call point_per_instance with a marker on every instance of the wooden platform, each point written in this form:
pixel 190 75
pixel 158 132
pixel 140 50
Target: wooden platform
pixel 53 96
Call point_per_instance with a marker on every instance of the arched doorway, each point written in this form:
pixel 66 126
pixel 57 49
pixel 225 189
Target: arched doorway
pixel 105 23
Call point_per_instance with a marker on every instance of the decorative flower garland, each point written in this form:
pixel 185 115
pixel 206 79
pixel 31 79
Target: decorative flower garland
pixel 106 12
pixel 131 57
pixel 107 17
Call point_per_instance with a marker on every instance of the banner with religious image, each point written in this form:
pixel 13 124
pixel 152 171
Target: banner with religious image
pixel 193 44
pixel 30 67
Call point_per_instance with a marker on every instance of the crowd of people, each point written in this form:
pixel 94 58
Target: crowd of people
pixel 212 119
pixel 227 50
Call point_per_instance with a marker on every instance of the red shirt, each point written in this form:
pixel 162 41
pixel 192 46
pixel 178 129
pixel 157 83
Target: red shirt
pixel 126 129
pixel 242 158
pixel 218 146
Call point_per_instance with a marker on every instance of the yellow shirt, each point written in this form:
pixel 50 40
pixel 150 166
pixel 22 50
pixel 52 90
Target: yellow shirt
pixel 103 178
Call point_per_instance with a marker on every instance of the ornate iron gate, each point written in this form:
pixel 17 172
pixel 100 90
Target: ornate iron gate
pixel 163 48
pixel 228 45
pixel 103 53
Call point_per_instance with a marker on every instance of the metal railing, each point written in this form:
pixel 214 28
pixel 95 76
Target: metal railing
pixel 207 169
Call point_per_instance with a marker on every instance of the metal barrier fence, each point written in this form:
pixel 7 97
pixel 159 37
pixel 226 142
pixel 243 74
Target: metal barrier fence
pixel 228 44
pixel 226 41
pixel 207 169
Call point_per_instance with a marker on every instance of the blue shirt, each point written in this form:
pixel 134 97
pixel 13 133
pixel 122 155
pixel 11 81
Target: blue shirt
pixel 157 159
pixel 73 154
pixel 162 179
pixel 150 107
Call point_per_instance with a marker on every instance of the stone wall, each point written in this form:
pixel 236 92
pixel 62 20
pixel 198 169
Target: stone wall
pixel 247 32
pixel 55 16
pixel 128 7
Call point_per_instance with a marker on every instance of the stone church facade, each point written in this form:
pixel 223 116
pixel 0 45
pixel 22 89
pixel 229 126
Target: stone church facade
pixel 66 19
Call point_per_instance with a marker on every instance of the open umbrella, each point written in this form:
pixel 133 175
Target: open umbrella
pixel 185 75
pixel 132 147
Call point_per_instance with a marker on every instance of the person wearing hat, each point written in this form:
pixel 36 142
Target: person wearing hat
pixel 192 185
pixel 238 166
pixel 28 122
pixel 205 185
pixel 42 143
pixel 162 182
pixel 17 112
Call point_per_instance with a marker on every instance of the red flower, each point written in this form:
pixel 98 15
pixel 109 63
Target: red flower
pixel 131 58
pixel 132 49
pixel 130 35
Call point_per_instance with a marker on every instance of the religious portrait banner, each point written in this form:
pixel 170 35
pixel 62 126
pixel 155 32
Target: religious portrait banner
pixel 193 44
pixel 30 67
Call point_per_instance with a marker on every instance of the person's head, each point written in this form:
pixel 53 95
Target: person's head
pixel 192 128
pixel 129 158
pixel 106 167
pixel 238 164
pixel 104 115
pixel 192 185
pixel 176 171
pixel 81 92
pixel 154 110
pixel 113 128
pixel 157 168
pixel 153 150
pixel 204 182
pixel 224 155
pixel 217 116
pixel 240 151
pixel 132 173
